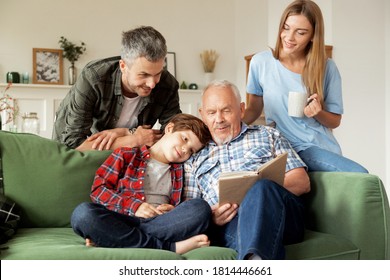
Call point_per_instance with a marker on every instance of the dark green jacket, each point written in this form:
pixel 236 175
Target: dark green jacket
pixel 95 102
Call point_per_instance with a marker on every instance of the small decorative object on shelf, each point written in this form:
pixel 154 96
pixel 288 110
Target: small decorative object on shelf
pixel 209 59
pixel 8 109
pixel 30 123
pixel 13 77
pixel 72 52
pixel 183 85
pixel 25 78
pixel 193 86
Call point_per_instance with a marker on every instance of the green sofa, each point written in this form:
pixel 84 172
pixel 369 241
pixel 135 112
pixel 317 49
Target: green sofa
pixel 348 213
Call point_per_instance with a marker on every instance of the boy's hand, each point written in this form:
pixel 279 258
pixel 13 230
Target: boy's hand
pixel 165 207
pixel 147 210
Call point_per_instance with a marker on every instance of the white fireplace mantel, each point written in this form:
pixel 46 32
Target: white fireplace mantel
pixel 45 99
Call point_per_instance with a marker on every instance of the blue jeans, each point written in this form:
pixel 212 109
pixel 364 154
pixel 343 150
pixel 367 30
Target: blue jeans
pixel 268 218
pixel 318 159
pixel 111 229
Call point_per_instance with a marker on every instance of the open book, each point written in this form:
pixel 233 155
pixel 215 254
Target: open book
pixel 234 185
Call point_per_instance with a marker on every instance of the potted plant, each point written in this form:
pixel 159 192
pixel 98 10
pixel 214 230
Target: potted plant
pixel 71 52
pixel 209 60
pixel 8 108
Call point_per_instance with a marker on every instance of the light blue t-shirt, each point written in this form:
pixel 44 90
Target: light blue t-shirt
pixel 267 77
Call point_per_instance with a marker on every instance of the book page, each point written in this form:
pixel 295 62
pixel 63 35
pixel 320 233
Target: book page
pixel 234 185
pixel 235 174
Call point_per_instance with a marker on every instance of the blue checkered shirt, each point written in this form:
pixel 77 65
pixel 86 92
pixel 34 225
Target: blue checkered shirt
pixel 254 146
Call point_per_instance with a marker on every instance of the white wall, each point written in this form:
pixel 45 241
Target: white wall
pixel 359 51
pixel 235 28
pixel 188 26
pixel 251 22
pixel 387 93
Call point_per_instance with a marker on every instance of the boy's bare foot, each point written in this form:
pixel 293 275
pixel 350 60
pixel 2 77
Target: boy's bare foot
pixel 191 243
pixel 89 243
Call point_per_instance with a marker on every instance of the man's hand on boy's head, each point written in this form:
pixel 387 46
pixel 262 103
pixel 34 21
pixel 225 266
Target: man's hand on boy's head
pixel 146 135
pixel 121 137
pixel 104 139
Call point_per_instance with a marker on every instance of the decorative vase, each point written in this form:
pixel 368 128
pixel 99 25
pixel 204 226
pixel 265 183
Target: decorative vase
pixel 208 77
pixel 72 75
pixel 3 119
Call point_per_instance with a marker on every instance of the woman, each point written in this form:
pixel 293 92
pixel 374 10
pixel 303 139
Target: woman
pixel 299 63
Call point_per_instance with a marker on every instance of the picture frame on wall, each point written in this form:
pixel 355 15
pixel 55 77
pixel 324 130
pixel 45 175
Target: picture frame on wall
pixel 170 63
pixel 47 66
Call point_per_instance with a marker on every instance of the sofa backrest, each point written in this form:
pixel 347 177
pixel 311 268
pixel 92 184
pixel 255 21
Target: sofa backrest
pixel 46 178
pixel 354 206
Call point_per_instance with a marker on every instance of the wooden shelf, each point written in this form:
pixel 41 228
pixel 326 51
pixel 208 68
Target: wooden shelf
pixel 19 85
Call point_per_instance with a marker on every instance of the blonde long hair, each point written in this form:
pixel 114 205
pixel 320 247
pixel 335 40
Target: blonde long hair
pixel 314 71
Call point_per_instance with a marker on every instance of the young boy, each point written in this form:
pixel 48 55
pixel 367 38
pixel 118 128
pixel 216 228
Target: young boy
pixel 136 194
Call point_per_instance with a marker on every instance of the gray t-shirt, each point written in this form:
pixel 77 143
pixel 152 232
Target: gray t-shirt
pixel 157 183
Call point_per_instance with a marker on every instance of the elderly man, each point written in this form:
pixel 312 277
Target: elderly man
pixel 270 215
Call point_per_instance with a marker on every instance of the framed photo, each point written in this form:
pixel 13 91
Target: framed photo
pixel 47 66
pixel 170 63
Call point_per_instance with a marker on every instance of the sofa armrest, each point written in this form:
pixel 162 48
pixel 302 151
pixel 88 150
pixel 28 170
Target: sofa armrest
pixel 351 205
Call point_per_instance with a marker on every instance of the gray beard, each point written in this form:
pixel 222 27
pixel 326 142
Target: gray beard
pixel 224 141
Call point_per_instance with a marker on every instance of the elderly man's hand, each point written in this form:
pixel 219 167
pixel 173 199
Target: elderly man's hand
pixel 224 214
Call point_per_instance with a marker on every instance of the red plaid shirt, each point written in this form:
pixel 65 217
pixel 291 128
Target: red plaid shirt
pixel 118 183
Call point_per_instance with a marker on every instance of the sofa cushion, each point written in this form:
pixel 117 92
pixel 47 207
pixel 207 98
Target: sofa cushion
pixel 316 246
pixel 322 246
pixel 64 244
pixel 211 253
pixel 46 178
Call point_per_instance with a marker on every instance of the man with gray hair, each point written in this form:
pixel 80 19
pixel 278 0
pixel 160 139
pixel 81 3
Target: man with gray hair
pixel 270 215
pixel 116 101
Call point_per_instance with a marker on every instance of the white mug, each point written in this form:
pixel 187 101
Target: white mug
pixel 297 102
